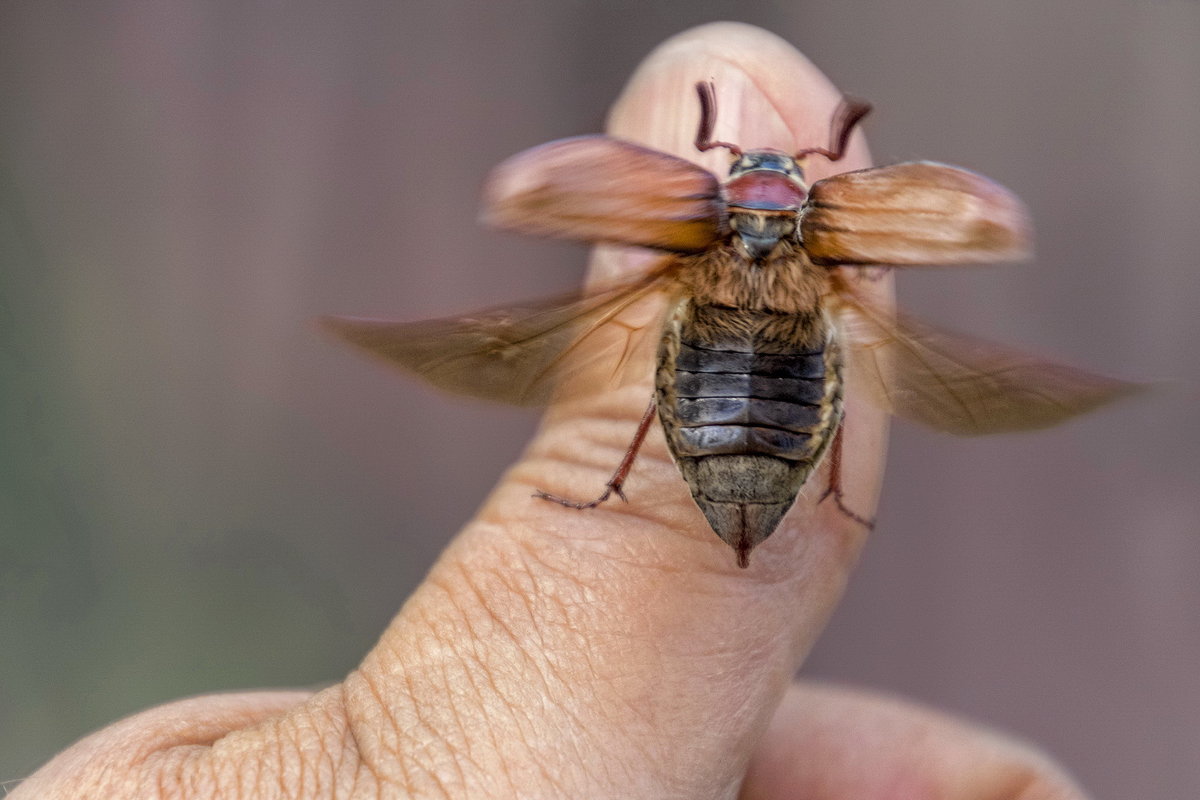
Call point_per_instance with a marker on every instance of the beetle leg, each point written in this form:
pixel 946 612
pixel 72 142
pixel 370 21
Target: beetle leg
pixel 835 481
pixel 618 478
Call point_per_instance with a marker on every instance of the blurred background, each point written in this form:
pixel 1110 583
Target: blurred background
pixel 200 493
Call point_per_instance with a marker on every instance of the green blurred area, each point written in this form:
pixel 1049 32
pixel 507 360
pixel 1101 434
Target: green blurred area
pixel 121 584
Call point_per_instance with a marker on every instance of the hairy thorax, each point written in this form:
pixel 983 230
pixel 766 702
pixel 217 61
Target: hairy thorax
pixel 776 303
pixel 786 282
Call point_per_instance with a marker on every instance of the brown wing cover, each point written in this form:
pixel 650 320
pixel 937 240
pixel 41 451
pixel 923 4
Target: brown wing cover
pixel 599 189
pixel 911 214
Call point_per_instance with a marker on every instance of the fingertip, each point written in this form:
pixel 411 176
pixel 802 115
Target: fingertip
pixel 768 95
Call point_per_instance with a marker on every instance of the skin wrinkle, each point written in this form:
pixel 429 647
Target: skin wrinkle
pixel 350 763
pixel 485 598
pixel 514 708
pixel 474 638
pixel 160 785
pixel 523 567
pixel 464 753
pixel 324 769
pixel 252 773
pixel 324 766
pixel 571 624
pixel 301 773
pixel 470 674
pixel 221 770
pixel 520 725
pixel 309 771
pixel 585 749
pixel 287 780
pixel 176 784
pixel 223 765
pixel 552 689
pixel 491 730
pixel 348 753
pixel 429 723
pixel 366 758
pixel 281 766
pixel 326 779
pixel 197 778
pixel 182 768
pixel 103 777
pixel 488 606
pixel 593 677
pixel 439 785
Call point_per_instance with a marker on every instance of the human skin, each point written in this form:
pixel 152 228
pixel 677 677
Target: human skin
pixel 618 652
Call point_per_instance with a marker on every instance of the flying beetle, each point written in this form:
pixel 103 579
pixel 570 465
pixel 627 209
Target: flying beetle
pixel 763 310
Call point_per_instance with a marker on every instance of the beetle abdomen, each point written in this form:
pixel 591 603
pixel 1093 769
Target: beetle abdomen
pixel 747 414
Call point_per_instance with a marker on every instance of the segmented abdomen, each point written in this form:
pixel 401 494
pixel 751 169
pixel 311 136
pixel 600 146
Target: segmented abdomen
pixel 729 401
pixel 748 408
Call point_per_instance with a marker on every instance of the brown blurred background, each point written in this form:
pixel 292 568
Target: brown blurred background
pixel 199 493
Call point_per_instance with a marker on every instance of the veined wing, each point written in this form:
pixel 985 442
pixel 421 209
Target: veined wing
pixel 961 384
pixel 518 354
pixel 600 189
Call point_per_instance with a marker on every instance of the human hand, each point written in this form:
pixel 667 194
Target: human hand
pixel 617 652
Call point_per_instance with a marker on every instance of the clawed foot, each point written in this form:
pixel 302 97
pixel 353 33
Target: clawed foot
pixel 609 491
pixel 869 524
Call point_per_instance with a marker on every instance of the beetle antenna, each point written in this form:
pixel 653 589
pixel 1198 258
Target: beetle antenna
pixel 708 119
pixel 849 113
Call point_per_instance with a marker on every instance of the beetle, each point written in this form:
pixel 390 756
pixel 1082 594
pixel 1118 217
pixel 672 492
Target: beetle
pixel 763 310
